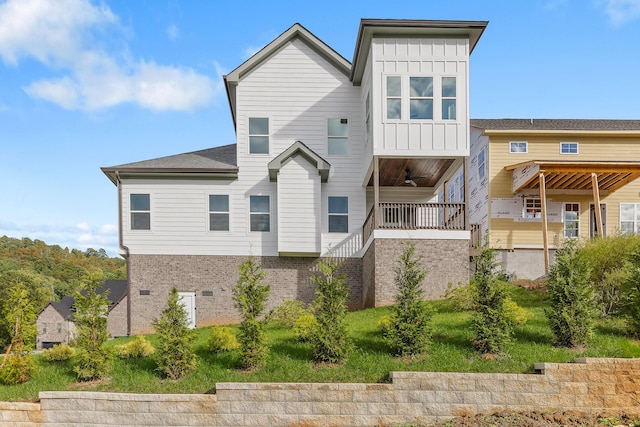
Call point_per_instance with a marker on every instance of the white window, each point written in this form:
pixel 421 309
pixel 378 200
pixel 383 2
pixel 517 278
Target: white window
pixel 532 207
pixel 260 213
pixel 568 148
pixel 338 214
pixel 630 218
pixel 421 98
pixel 571 219
pixel 518 147
pixel 448 98
pixel 258 135
pixel 338 137
pixel 367 115
pixel 140 207
pixel 218 212
pixel 482 165
pixel 394 97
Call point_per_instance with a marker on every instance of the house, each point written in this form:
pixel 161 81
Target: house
pixel 55 322
pixel 332 158
pixel 533 183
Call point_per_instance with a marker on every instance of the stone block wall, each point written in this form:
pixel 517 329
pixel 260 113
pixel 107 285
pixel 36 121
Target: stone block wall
pixel 213 279
pixel 588 386
pixel 117 319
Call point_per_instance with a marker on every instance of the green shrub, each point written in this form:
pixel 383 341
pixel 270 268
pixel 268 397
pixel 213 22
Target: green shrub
pixel 221 340
pixel 409 332
pixel 630 304
pixel 515 314
pixel 460 297
pixel 17 369
pixel 135 349
pixel 305 327
pixel 573 304
pixel 286 314
pixel 58 353
pixel 384 324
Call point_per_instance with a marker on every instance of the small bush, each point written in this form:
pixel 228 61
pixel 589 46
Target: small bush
pixel 459 298
pixel 58 353
pixel 135 349
pixel 221 340
pixel 287 314
pixel 18 369
pixel 515 314
pixel 305 327
pixel 384 324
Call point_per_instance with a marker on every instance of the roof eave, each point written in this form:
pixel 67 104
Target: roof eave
pixel 168 173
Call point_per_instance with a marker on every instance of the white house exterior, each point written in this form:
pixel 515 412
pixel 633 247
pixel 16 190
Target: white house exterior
pixel 332 159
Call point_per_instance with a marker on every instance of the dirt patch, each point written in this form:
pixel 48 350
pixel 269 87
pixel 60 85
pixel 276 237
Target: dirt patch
pixel 540 419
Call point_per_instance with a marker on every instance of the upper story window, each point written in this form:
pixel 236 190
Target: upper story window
pixel 532 207
pixel 518 147
pixel 258 135
pixel 482 165
pixel 140 207
pixel 219 212
pixel 394 97
pixel 338 214
pixel 260 213
pixel 421 98
pixel 367 114
pixel 568 148
pixel 338 137
pixel 448 98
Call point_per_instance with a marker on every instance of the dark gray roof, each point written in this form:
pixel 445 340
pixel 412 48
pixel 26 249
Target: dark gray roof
pixel 63 307
pixel 556 124
pixel 117 291
pixel 223 157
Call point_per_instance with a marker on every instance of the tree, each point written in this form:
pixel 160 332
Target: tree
pixel 410 330
pixel 329 340
pixel 573 303
pixel 250 297
pixel 490 321
pixel 21 316
pixel 175 339
pixel 91 309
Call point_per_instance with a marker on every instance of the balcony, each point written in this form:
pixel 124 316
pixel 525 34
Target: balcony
pixel 415 216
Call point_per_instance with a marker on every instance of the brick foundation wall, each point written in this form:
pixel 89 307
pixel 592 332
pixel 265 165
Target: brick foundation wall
pixel 445 261
pixel 588 386
pixel 213 279
pixel 117 319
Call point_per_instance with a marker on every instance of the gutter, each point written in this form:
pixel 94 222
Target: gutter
pixel 125 249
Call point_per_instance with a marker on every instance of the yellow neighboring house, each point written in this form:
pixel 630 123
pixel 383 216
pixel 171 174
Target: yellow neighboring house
pixel 534 182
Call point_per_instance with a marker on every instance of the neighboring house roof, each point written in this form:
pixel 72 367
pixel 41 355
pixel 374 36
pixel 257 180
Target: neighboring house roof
pixel 117 291
pixel 210 162
pixel 299 148
pixel 296 31
pixel 409 28
pixel 537 125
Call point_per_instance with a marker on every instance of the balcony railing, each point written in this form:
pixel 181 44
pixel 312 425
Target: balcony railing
pixel 415 216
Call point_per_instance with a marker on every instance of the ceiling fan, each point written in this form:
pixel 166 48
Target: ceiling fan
pixel 409 178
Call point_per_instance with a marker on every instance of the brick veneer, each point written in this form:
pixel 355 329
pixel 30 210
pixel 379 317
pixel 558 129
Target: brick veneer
pixel 589 386
pixel 288 277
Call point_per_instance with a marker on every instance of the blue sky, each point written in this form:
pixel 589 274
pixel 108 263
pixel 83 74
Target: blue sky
pixel 85 84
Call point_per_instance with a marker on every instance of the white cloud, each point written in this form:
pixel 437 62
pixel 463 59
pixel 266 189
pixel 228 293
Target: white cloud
pixel 173 32
pixel 61 34
pixel 83 226
pixel 622 11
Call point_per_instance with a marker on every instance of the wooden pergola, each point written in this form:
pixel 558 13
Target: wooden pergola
pixel 595 176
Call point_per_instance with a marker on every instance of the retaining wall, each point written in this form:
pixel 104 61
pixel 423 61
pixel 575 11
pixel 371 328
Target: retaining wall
pixel 600 386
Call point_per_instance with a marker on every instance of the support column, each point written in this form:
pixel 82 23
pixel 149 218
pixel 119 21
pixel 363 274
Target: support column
pixel 596 204
pixel 545 231
pixel 376 191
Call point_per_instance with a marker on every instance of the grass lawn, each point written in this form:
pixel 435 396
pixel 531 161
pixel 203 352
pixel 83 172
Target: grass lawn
pixel 369 361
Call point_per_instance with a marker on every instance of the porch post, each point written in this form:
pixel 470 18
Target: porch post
pixel 545 231
pixel 376 191
pixel 465 173
pixel 596 203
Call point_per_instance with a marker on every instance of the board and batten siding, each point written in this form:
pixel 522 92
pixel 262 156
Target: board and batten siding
pixel 299 208
pixel 421 57
pixel 298 90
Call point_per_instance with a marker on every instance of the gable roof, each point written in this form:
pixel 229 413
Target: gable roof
pixel 63 307
pixel 299 148
pixel 214 162
pixel 296 31
pixel 556 125
pixel 117 291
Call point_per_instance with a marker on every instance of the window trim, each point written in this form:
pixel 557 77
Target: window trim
pixel 564 220
pixel 336 137
pixel 482 176
pixel 537 208
pixel 449 98
pixel 341 214
pixel 249 135
pixel 569 144
pixel 227 212
pixel 132 212
pixel 513 143
pixel 251 213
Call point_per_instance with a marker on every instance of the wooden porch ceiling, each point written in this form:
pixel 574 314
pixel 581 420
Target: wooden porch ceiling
pixel 575 175
pixel 424 172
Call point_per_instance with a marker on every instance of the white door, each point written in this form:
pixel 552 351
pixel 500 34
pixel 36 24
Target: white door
pixel 188 301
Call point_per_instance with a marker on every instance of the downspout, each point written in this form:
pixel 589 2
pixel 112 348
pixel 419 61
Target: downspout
pixel 125 249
